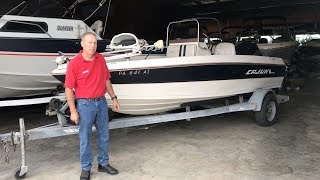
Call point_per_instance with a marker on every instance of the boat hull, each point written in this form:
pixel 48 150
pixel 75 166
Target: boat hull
pixel 24 74
pixel 161 97
pixel 26 64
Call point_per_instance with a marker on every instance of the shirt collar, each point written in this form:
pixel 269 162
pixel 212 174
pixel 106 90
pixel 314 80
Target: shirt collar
pixel 82 58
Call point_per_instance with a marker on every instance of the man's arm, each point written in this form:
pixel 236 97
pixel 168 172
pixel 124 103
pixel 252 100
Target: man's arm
pixel 70 99
pixel 116 105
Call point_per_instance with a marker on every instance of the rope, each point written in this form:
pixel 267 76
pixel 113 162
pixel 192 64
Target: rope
pixel 100 4
pixel 105 23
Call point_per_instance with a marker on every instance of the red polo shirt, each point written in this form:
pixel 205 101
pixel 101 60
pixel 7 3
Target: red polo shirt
pixel 88 78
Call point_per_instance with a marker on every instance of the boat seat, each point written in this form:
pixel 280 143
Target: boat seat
pixel 181 49
pixel 225 48
pixel 188 49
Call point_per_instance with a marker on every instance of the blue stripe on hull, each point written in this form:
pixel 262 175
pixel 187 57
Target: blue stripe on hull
pixel 194 73
pixel 45 45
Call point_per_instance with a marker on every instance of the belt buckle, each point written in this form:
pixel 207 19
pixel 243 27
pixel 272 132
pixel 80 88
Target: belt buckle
pixel 98 99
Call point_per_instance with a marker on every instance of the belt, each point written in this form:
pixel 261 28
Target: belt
pixel 93 99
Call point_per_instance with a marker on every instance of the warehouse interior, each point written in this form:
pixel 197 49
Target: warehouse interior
pixel 229 145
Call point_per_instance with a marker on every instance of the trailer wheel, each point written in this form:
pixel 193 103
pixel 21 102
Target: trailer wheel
pixel 267 116
pixel 17 174
pixel 60 88
pixel 54 92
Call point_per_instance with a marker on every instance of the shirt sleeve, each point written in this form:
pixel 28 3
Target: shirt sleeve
pixel 70 81
pixel 108 72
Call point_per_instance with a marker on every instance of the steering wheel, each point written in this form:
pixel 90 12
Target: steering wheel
pixel 210 43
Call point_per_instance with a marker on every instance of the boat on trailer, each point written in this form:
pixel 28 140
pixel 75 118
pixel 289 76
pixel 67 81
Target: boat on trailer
pixel 193 69
pixel 152 84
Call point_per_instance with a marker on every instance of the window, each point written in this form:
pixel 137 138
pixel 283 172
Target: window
pixel 25 27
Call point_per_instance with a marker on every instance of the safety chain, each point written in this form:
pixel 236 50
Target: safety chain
pixel 6 146
pixel 6 152
pixel 12 141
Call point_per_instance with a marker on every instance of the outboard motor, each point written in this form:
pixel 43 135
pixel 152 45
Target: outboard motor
pixel 97 26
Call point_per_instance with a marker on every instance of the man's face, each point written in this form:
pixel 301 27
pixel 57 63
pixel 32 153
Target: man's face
pixel 89 44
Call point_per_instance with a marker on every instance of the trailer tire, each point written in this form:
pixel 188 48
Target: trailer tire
pixel 54 92
pixel 17 174
pixel 267 116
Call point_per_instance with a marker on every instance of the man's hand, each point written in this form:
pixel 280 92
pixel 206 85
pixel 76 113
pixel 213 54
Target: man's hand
pixel 116 105
pixel 74 117
pixel 70 98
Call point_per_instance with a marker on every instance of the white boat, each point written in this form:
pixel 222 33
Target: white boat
pixel 188 72
pixel 27 47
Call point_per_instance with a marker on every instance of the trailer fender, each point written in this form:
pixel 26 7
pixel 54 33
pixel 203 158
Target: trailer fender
pixel 258 96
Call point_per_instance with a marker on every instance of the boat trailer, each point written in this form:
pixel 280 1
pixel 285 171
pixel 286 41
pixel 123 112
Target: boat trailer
pixel 263 102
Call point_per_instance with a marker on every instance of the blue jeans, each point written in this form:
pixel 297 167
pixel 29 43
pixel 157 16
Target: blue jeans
pixel 93 111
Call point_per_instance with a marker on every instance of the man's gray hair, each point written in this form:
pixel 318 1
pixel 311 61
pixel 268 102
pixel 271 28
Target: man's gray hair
pixel 86 34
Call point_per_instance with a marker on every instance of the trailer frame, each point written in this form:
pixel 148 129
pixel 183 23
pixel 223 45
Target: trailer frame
pixel 63 128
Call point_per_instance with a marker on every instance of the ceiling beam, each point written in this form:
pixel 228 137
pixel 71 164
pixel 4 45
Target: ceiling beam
pixel 246 5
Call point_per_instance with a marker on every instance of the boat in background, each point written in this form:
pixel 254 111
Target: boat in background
pixel 309 58
pixel 310 51
pixel 191 70
pixel 272 36
pixel 27 47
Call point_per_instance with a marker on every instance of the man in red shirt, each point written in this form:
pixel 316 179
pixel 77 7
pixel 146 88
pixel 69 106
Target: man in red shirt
pixel 88 76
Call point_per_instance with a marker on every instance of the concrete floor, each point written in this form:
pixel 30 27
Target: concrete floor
pixel 228 146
